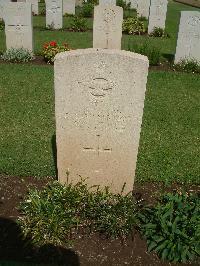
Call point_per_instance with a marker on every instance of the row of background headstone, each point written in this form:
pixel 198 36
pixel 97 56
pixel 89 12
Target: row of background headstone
pixel 56 8
pixel 107 28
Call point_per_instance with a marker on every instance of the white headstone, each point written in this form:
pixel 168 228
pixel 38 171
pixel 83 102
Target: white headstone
pixel 34 6
pixel 79 2
pixel 107 27
pixel 2 3
pixel 157 16
pixel 107 2
pixel 143 8
pixel 54 14
pixel 99 99
pixel 188 43
pixel 69 7
pixel 18 25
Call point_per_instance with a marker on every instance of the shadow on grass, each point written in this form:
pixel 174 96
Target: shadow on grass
pixel 169 57
pixel 16 251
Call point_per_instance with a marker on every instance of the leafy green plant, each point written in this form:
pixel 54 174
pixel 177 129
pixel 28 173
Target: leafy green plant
pixel 133 26
pixel 159 32
pixel 78 24
pixel 51 49
pixel 123 4
pixel 2 24
pixel 142 18
pixel 43 12
pixel 172 228
pixel 68 15
pixel 17 55
pixel 52 215
pixel 87 10
pixel 190 66
pixel 153 53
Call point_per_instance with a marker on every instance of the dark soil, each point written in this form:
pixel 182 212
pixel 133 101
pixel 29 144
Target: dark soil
pixel 87 249
pixel 40 61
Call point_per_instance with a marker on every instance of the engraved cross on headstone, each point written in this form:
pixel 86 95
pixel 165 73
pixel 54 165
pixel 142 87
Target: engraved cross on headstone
pixel 98 149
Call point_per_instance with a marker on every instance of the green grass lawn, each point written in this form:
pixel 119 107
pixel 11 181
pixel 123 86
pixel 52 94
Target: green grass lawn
pixel 170 142
pixel 84 40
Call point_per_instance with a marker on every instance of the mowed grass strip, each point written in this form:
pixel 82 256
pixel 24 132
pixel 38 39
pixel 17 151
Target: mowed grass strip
pixel 170 138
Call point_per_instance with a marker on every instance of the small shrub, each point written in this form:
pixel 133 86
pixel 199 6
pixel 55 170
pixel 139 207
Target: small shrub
pixel 158 32
pixel 79 24
pixel 172 228
pixel 43 12
pixel 133 26
pixel 123 4
pixel 51 49
pixel 55 213
pixel 17 55
pixel 2 24
pixel 87 10
pixel 153 53
pixel 190 66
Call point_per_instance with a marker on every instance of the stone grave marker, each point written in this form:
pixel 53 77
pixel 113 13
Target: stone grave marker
pixel 69 7
pixel 54 14
pixel 188 43
pixel 107 2
pixel 18 25
pixel 157 16
pixel 143 8
pixel 34 3
pixel 99 99
pixel 2 2
pixel 79 2
pixel 107 27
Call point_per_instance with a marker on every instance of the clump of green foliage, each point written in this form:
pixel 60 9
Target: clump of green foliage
pixel 2 24
pixel 52 215
pixel 17 55
pixel 142 18
pixel 68 15
pixel 124 4
pixel 153 53
pixel 159 32
pixel 78 24
pixel 87 10
pixel 172 228
pixel 190 66
pixel 43 12
pixel 133 26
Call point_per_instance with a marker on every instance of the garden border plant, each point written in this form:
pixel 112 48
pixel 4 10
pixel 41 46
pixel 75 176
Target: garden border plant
pixel 56 213
pixel 17 55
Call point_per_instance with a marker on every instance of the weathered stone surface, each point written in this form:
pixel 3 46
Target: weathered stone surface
pixel 188 43
pixel 134 3
pixel 99 99
pixel 69 7
pixel 157 16
pixel 34 3
pixel 107 27
pixel 143 8
pixel 107 2
pixel 79 2
pixel 54 14
pixel 18 25
pixel 2 2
